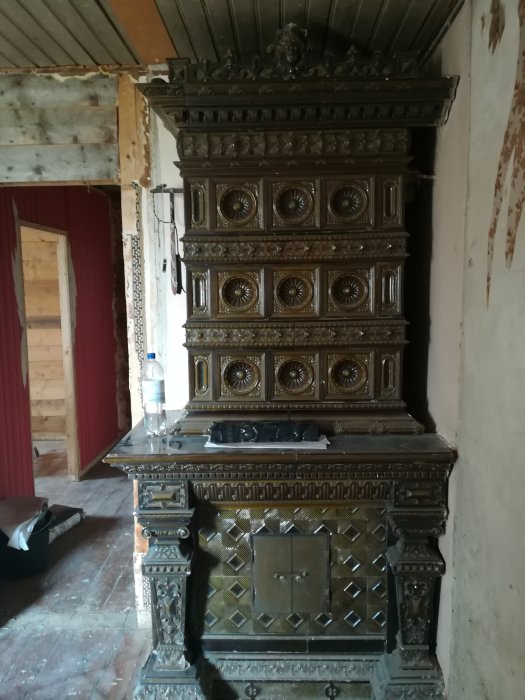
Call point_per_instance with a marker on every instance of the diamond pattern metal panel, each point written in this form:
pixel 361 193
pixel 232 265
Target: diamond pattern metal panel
pixel 357 571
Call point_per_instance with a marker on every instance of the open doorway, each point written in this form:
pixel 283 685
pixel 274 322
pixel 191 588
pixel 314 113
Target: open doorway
pixel 49 316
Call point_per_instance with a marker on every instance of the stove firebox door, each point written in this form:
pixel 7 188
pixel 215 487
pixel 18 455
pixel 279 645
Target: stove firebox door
pixel 291 573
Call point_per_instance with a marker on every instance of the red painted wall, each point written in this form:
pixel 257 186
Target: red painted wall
pixel 84 214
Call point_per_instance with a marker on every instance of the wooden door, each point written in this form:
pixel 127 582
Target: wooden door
pixel 49 332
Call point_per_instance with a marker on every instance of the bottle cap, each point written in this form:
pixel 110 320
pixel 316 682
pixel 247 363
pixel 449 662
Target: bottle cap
pixel 150 356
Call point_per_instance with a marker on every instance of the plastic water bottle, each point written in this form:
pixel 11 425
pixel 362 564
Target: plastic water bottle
pixel 153 396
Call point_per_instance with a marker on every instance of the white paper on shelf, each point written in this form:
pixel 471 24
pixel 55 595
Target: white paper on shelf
pixel 320 444
pixel 18 517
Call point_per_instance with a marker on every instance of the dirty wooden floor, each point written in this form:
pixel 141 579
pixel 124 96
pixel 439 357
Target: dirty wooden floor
pixel 71 631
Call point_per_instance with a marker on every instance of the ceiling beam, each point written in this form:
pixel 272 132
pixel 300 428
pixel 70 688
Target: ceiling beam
pixel 144 29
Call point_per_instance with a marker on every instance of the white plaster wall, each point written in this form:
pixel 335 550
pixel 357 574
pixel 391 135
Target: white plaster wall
pixel 167 310
pixel 487 658
pixel 448 226
pixel 446 283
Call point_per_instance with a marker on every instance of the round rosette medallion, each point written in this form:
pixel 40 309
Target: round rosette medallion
pixel 348 202
pixel 294 291
pixel 294 204
pixel 239 293
pixel 238 205
pixel 241 376
pixel 349 290
pixel 349 374
pixel 295 376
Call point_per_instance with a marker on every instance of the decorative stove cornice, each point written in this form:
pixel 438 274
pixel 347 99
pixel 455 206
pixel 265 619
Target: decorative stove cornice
pixel 289 88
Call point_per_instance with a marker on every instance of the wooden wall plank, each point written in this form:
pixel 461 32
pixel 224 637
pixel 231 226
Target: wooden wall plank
pixel 37 250
pixel 48 337
pixel 43 321
pixel 50 407
pixel 48 427
pixel 65 125
pixel 51 369
pixel 45 91
pixel 35 270
pixel 42 303
pixel 46 352
pixel 58 129
pixel 45 389
pixel 90 162
pixel 41 298
pixel 33 235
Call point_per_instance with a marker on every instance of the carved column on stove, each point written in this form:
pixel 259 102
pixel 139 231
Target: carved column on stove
pixel 165 517
pixel 417 566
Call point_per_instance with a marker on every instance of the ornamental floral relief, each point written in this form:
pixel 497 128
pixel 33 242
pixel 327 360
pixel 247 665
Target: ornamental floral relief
pixel 295 291
pixel 349 290
pixel 349 203
pixel 294 204
pixel 238 206
pixel 295 376
pixel 241 377
pixel 238 292
pixel 348 375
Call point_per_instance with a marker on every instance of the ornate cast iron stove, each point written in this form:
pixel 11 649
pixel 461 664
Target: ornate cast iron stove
pixel 294 573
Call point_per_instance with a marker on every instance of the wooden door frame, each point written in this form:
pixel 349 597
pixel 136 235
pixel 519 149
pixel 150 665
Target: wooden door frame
pixel 67 324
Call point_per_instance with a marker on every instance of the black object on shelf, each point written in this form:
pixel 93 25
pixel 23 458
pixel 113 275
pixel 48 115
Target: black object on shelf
pixel 18 563
pixel 263 431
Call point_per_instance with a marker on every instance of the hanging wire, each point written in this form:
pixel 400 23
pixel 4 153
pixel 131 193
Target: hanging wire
pixel 176 266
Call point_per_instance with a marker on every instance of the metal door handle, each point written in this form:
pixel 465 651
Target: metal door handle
pixel 296 575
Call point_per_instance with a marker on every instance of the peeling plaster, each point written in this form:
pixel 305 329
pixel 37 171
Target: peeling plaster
pixel 145 177
pixel 513 148
pixel 497 24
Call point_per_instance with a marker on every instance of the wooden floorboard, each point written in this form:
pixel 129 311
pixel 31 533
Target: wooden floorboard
pixel 71 631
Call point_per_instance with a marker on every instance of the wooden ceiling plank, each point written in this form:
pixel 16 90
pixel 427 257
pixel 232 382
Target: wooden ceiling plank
pixel 67 14
pixel 341 24
pixel 176 29
pixel 221 26
pixel 317 19
pixel 144 28
pixel 295 11
pixel 436 24
pixel 196 21
pixel 36 32
pixel 269 21
pixel 391 16
pixel 5 62
pixel 55 28
pixel 366 20
pixel 411 24
pixel 13 54
pixel 245 27
pixel 23 43
pixel 100 24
